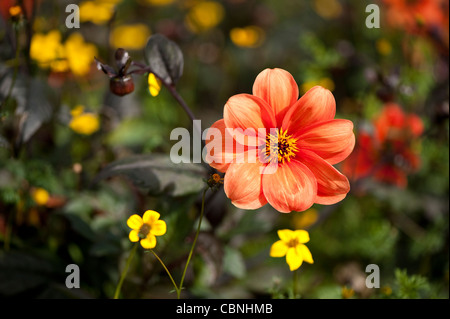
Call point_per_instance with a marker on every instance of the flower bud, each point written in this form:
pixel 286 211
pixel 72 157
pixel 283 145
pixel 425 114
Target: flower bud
pixel 121 85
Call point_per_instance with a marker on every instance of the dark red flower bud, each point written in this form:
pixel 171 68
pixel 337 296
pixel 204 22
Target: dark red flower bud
pixel 121 85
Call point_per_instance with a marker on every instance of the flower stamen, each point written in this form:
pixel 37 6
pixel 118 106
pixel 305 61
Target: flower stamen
pixel 280 147
pixel 144 230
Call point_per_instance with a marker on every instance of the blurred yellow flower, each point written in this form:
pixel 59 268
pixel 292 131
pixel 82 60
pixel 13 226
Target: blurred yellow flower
pixel 250 36
pixel 347 293
pixel 83 122
pixel 74 55
pixel 384 47
pixel 327 83
pixel 80 55
pixel 154 84
pixel 146 228
pixel 40 196
pixel 305 219
pixel 157 2
pixel 131 37
pixel 328 9
pixel 98 12
pixel 291 245
pixel 204 15
pixel 47 48
pixel 386 290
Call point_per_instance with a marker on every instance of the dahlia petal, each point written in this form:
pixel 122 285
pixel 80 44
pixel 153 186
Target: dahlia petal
pixel 415 124
pixel 316 105
pixel 278 249
pixel 247 115
pixel 220 146
pixel 149 242
pixel 332 140
pixel 242 185
pixel 134 221
pixel 278 88
pixel 293 259
pixel 291 187
pixel 332 186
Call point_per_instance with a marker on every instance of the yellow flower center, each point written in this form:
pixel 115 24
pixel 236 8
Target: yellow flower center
pixel 280 146
pixel 293 242
pixel 144 230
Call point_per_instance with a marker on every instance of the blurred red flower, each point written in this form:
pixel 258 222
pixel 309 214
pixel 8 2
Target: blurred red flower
pixel 426 17
pixel 388 153
pixel 300 142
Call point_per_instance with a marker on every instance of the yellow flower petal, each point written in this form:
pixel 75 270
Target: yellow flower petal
pixel 134 235
pixel 278 249
pixel 285 234
pixel 154 84
pixel 135 222
pixel 305 253
pixel 302 236
pixel 150 216
pixel 293 259
pixel 149 242
pixel 159 228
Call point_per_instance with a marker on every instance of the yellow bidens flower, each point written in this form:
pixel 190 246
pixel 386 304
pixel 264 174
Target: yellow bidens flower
pixel 79 54
pixel 74 55
pixel 47 49
pixel 130 37
pixel 154 84
pixel 204 16
pixel 83 122
pixel 98 12
pixel 40 196
pixel 146 228
pixel 247 37
pixel 305 219
pixel 291 245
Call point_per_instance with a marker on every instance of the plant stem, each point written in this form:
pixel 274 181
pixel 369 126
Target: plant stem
pixel 193 243
pixel 167 270
pixel 124 271
pixel 294 283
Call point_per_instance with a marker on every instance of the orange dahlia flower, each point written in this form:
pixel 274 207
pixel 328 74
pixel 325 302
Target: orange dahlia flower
pixel 388 153
pixel 296 142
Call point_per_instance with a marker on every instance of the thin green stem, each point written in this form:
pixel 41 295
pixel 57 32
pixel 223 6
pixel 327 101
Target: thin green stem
pixel 193 243
pixel 167 270
pixel 124 271
pixel 294 283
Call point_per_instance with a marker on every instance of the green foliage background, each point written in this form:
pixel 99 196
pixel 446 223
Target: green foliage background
pixel 403 231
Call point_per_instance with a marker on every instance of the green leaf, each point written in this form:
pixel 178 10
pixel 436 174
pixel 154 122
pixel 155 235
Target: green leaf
pixel 233 263
pixel 37 111
pixel 156 174
pixel 20 272
pixel 165 58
